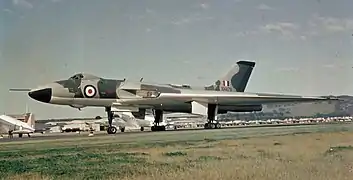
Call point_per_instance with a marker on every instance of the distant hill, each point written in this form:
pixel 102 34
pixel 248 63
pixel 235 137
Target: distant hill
pixel 326 108
pixel 346 105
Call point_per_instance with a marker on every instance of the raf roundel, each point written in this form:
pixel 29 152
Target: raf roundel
pixel 90 91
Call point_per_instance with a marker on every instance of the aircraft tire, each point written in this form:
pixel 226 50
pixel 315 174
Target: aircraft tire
pixel 142 128
pixel 122 129
pixel 111 130
pixel 20 135
pixel 218 126
pixel 212 126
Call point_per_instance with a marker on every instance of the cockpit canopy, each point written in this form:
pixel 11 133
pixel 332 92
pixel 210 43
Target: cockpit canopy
pixel 83 76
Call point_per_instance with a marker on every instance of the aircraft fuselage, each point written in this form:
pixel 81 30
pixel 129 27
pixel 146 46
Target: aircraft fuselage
pixel 98 92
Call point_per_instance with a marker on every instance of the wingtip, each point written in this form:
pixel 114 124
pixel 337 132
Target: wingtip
pixel 19 89
pixel 331 98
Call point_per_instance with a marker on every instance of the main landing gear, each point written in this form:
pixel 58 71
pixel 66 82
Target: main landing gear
pixel 111 129
pixel 211 114
pixel 158 117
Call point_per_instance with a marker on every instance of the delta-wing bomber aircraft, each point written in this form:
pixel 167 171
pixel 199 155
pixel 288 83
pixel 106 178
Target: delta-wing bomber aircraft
pixel 83 90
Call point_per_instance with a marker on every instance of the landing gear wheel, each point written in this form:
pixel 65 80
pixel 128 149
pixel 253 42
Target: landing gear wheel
pixel 212 123
pixel 111 130
pixel 218 126
pixel 212 126
pixel 20 135
pixel 142 128
pixel 122 129
pixel 158 117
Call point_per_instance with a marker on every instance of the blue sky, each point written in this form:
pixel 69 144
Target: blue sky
pixel 301 47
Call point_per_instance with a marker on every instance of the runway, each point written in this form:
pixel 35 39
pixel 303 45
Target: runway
pixel 190 134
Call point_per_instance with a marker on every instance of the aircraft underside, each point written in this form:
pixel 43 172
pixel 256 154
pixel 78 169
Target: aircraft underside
pixel 209 110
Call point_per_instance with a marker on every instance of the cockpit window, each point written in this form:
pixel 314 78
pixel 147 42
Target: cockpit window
pixel 83 76
pixel 77 76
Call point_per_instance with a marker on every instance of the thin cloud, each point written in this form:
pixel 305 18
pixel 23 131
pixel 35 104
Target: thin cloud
pixel 245 33
pixel 148 30
pixel 329 66
pixel 191 19
pixel 331 24
pixel 336 65
pixel 279 27
pixel 264 7
pixel 204 6
pixel 286 29
pixel 7 11
pixel 22 3
pixel 304 38
pixel 149 11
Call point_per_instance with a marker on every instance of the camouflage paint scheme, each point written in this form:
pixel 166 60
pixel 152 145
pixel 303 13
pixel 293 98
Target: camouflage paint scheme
pixel 227 92
pixel 239 76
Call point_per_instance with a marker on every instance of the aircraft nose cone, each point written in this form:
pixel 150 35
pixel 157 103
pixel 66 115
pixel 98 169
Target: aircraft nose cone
pixel 42 95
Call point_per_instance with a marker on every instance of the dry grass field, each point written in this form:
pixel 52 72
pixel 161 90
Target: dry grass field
pixel 309 156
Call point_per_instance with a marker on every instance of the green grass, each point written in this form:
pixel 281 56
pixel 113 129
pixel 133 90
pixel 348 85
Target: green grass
pixel 317 156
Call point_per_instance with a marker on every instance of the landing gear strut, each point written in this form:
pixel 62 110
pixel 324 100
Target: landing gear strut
pixel 211 114
pixel 158 117
pixel 111 129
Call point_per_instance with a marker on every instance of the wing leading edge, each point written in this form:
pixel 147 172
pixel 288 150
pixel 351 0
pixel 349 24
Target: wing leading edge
pixel 222 98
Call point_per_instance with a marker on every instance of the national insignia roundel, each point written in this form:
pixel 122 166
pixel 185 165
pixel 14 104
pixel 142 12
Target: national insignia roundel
pixel 90 91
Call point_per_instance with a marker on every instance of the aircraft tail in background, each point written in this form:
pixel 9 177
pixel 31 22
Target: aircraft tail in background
pixel 30 120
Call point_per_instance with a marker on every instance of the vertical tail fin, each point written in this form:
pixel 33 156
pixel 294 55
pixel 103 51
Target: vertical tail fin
pixel 236 79
pixel 30 120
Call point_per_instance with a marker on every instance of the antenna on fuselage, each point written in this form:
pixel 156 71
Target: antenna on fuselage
pixel 141 79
